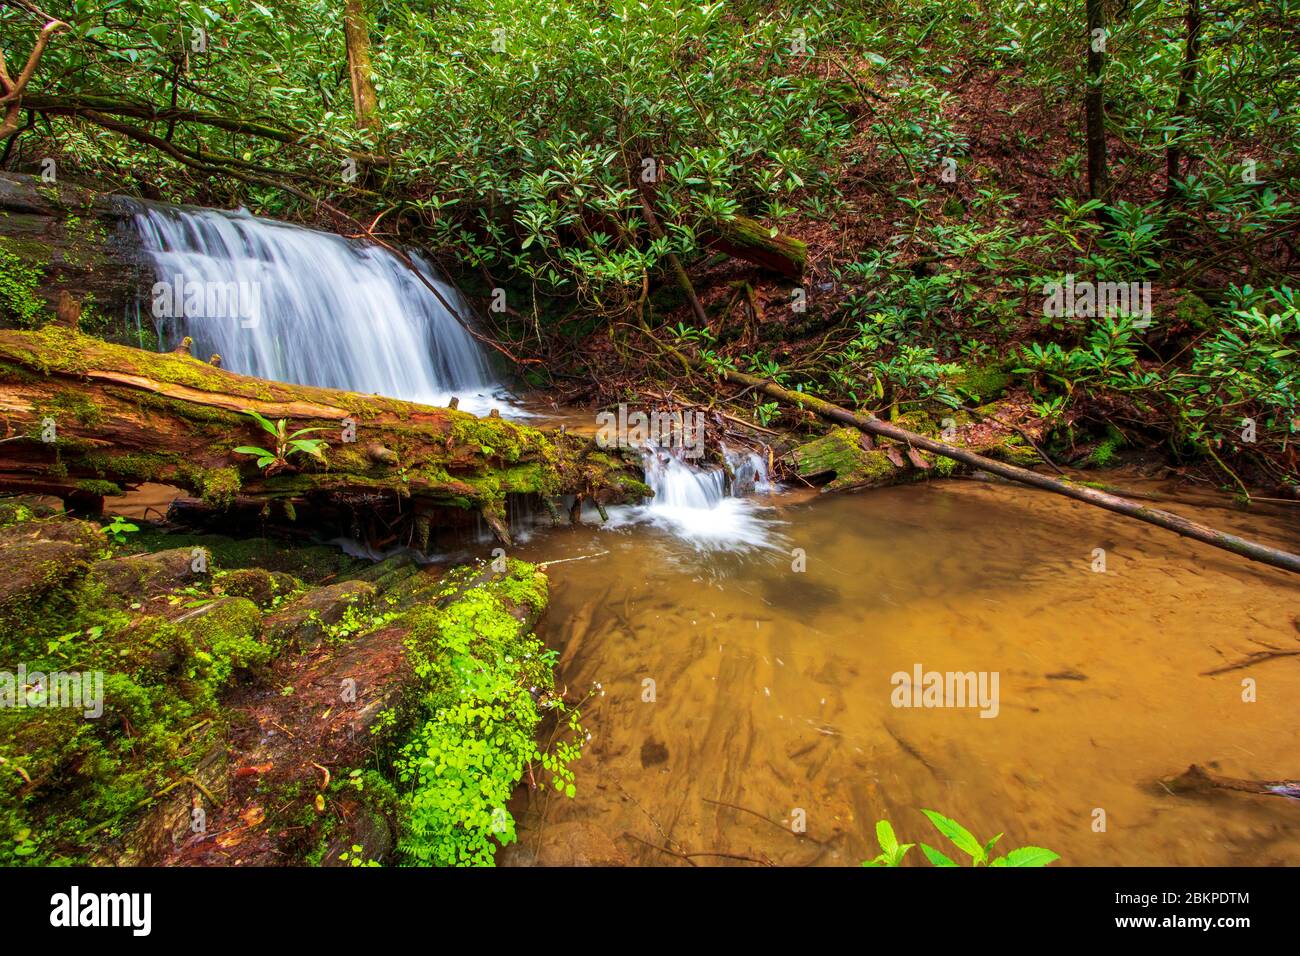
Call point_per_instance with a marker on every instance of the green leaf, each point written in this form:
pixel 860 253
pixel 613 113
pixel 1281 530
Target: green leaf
pixel 261 420
pixel 958 834
pixel 935 857
pixel 1027 856
pixel 885 837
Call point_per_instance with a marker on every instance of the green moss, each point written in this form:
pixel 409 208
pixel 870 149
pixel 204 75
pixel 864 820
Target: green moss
pixel 1014 450
pixel 21 276
pixel 1104 453
pixel 944 467
pixel 132 467
pixel 219 486
pixel 497 438
pixel 104 489
pixel 840 453
pixel 225 641
pixel 1192 310
pixel 68 403
pixel 981 383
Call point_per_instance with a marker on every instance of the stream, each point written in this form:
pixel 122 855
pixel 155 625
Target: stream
pixel 739 642
pixel 772 688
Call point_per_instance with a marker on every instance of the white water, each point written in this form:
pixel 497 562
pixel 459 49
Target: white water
pixel 701 506
pixel 328 311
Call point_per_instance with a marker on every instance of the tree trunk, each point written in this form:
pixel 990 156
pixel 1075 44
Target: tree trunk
pixel 1095 104
pixel 1186 82
pixel 356 31
pixel 12 87
pixel 83 418
pixel 1163 519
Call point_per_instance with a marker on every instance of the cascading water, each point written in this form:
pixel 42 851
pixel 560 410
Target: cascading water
pixel 295 305
pixel 701 505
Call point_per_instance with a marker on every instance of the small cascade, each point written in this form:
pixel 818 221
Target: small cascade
pixel 706 507
pixel 282 302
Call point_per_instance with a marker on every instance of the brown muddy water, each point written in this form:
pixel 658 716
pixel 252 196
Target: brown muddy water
pixel 773 694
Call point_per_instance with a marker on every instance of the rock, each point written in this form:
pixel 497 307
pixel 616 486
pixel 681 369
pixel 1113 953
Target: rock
pixel 14 510
pixel 360 826
pixel 144 575
pixel 388 572
pixel 80 241
pixel 228 630
pixel 573 843
pixel 303 623
pixel 259 586
pixel 653 753
pixel 169 822
pixel 36 557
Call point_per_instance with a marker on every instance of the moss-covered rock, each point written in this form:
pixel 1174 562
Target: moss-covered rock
pixel 306 621
pixel 142 575
pixel 39 556
pixel 841 454
pixel 264 588
pixel 981 383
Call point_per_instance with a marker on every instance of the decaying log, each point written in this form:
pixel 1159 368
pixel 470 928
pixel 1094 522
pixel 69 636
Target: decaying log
pixel 1163 519
pixel 749 239
pixel 86 419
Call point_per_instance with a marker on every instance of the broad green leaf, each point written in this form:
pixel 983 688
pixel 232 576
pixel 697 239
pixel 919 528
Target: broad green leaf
pixel 958 834
pixel 935 857
pixel 1029 856
pixel 885 837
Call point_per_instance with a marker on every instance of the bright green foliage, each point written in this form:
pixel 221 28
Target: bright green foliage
pixel 286 444
pixel 891 851
pixel 19 285
pixel 487 683
pixel 1243 377
pixel 118 529
pixel 979 853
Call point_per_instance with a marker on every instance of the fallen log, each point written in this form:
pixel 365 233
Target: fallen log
pixel 1163 519
pixel 84 419
pixel 749 239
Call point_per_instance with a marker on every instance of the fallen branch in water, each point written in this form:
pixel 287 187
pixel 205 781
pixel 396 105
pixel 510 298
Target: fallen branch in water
pixel 1196 779
pixel 1163 519
pixel 1256 658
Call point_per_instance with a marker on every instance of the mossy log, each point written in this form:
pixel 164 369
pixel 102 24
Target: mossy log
pixel 749 239
pixel 83 419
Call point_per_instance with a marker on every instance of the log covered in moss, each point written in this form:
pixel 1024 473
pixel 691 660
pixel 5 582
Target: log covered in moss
pixel 749 239
pixel 83 419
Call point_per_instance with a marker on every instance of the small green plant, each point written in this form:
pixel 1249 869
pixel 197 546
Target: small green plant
pixel 892 853
pixel 118 529
pixel 286 444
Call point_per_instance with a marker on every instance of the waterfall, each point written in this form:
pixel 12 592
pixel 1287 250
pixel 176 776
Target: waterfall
pixel 296 305
pixel 706 507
